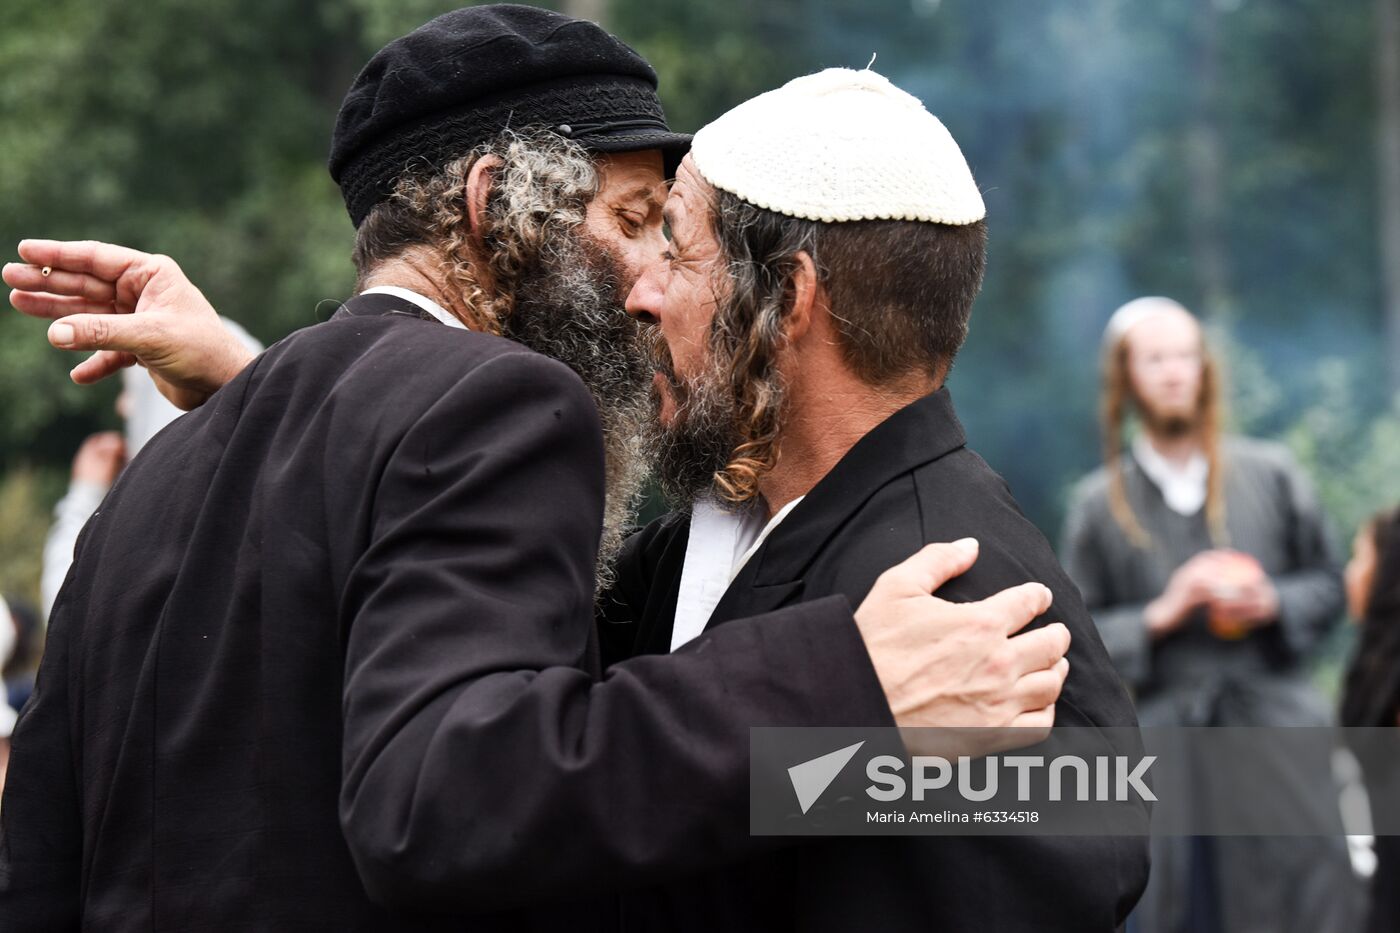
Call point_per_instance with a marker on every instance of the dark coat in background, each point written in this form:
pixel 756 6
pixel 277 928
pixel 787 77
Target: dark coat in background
pixel 1193 678
pixel 325 661
pixel 1371 702
pixel 909 482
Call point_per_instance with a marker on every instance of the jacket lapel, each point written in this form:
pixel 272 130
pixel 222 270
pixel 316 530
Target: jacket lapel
pixel 658 618
pixel 916 434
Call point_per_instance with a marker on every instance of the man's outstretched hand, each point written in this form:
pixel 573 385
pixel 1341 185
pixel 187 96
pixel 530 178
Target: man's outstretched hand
pixel 132 308
pixel 961 666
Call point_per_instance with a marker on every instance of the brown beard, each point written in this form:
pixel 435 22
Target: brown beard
pixel 570 306
pixel 1170 425
pixel 706 433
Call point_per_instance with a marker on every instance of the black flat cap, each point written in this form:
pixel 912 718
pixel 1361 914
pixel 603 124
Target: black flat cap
pixel 455 82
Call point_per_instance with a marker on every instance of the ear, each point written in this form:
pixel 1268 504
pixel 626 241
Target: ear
pixel 479 180
pixel 807 298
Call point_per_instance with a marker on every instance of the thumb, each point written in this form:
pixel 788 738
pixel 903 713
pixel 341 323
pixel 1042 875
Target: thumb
pixel 128 333
pixel 936 564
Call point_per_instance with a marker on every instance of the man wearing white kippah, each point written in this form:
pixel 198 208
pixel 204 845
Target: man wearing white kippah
pixel 827 243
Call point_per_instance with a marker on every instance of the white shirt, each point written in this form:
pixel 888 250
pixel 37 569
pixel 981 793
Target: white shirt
pixel 7 645
pixel 721 542
pixel 1183 487
pixel 427 304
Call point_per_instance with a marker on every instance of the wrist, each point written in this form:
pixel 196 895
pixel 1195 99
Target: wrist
pixel 238 359
pixel 232 361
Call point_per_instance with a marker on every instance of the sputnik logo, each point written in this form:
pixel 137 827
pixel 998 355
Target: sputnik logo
pixel 811 778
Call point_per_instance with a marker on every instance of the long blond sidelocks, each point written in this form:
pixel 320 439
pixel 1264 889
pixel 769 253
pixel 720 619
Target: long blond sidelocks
pixel 1116 402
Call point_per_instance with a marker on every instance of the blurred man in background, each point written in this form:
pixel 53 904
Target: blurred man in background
pixel 1208 568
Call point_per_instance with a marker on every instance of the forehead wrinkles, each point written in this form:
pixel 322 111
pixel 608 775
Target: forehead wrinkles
pixel 691 200
pixel 637 191
pixel 694 243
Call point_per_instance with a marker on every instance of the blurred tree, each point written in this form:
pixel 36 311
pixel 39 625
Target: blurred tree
pixel 1205 158
pixel 595 10
pixel 24 519
pixel 1388 169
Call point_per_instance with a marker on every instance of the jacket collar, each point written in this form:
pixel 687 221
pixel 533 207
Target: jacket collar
pixel 922 431
pixel 376 304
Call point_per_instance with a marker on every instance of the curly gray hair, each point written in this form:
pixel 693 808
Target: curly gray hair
pixel 552 287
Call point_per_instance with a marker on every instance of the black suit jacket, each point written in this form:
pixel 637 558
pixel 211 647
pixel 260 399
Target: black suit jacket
pixel 909 482
pixel 325 660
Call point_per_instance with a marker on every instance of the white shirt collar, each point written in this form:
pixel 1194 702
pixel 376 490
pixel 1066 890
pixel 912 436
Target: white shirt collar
pixel 1183 487
pixel 721 542
pixel 427 304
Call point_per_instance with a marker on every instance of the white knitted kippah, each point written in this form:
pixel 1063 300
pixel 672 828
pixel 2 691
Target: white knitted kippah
pixel 840 145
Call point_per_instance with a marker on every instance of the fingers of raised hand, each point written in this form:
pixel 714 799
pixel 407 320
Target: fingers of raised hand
pixel 53 307
pixel 27 278
pixel 100 365
pixel 130 333
pixel 106 261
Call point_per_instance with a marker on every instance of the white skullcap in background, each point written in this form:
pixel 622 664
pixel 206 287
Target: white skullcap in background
pixel 840 145
pixel 1134 313
pixel 146 411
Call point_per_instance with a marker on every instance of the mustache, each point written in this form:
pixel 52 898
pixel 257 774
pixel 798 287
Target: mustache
pixel 659 355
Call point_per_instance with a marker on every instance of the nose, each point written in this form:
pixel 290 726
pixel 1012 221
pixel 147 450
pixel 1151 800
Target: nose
pixel 1180 371
pixel 644 300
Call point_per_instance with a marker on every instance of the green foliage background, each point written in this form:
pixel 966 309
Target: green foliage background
pixel 1219 151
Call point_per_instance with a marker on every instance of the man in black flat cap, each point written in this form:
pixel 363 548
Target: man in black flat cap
pixel 325 658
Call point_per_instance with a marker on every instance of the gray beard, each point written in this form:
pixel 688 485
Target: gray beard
pixel 571 308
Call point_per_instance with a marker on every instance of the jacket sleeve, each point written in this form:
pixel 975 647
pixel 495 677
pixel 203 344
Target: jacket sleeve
pixel 483 769
pixel 1310 593
pixel 1120 624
